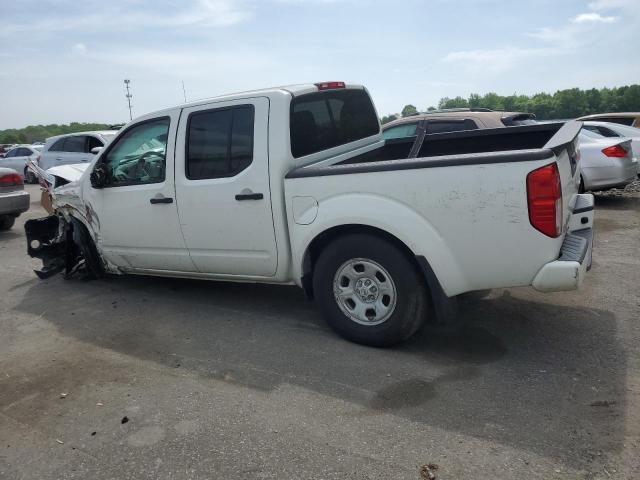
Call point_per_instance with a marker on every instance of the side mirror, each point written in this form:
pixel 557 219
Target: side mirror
pixel 96 150
pixel 100 176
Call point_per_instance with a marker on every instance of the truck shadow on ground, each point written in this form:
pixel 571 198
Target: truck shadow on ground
pixel 537 376
pixel 615 202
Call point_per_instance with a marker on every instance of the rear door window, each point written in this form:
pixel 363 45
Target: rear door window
pixel 327 119
pixel 58 146
pixel 219 142
pixel 74 144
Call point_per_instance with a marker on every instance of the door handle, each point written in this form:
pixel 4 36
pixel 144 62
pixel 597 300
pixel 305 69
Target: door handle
pixel 249 196
pixel 161 200
pixel 59 159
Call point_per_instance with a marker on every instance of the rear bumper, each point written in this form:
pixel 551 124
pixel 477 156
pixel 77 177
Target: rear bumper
pixel 619 174
pixel 569 270
pixel 14 203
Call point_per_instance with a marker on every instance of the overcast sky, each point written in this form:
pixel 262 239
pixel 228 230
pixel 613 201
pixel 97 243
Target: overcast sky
pixel 65 61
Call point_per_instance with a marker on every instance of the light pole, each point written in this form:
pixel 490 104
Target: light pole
pixel 129 97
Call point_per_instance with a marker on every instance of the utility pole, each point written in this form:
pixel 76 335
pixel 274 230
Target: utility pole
pixel 184 92
pixel 129 97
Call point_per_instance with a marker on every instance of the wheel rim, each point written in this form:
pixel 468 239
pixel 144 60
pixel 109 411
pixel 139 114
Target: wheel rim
pixel 364 291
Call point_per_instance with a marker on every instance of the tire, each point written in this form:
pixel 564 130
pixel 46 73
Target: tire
pixel 386 310
pixel 6 222
pixel 29 177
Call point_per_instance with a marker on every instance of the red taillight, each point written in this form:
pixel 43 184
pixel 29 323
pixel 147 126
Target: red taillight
pixel 10 180
pixel 544 197
pixel 615 151
pixel 330 85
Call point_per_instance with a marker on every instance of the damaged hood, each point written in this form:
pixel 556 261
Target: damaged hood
pixel 70 173
pixel 57 176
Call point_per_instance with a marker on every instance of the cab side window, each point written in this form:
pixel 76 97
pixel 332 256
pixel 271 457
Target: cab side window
pixel 138 156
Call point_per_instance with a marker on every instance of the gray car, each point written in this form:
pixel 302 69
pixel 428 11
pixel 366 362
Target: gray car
pixel 14 200
pixel 17 159
pixel 73 148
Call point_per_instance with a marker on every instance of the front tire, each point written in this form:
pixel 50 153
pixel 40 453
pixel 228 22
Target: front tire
pixel 369 291
pixel 6 222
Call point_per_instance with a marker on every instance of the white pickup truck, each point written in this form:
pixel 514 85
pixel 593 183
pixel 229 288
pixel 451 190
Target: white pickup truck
pixel 295 185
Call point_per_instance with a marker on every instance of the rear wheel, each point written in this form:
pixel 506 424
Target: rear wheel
pixel 6 222
pixel 369 291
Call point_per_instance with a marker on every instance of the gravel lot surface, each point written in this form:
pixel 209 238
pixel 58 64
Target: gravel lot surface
pixel 134 378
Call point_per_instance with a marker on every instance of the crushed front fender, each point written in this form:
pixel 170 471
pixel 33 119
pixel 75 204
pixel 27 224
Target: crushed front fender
pixel 62 246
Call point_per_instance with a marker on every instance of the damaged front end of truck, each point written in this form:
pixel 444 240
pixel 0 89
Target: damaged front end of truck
pixel 61 241
pixel 63 246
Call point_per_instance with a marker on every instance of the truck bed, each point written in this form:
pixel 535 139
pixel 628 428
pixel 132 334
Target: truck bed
pixel 461 202
pixel 498 145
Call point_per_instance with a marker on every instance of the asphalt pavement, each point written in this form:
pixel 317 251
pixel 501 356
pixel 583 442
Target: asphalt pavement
pixel 136 377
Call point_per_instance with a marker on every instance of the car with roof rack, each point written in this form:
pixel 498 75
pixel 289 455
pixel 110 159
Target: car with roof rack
pixel 454 120
pixel 631 119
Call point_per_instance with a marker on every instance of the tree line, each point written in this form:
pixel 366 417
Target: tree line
pixel 563 104
pixel 39 133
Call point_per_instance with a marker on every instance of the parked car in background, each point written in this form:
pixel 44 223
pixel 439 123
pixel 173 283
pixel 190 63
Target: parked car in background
pixel 605 162
pixel 17 159
pixel 631 119
pixel 615 130
pixel 296 185
pixel 73 148
pixel 4 148
pixel 455 119
pixel 14 200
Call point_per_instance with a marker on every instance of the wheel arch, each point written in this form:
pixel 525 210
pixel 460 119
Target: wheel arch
pixel 443 306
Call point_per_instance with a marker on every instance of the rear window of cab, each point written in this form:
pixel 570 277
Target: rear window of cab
pixel 327 119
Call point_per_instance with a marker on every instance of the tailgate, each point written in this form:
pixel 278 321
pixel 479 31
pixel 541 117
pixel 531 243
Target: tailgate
pixel 566 148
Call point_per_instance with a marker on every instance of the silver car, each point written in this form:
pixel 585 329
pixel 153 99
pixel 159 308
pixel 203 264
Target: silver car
pixel 17 159
pixel 73 148
pixel 605 162
pixel 14 200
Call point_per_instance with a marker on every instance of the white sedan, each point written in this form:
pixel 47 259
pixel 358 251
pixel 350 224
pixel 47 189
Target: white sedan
pixel 615 130
pixel 17 159
pixel 605 162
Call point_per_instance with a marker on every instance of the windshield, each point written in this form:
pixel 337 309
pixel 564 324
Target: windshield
pixel 590 135
pixel 625 131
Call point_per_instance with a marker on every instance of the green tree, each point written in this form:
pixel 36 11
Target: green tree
pixel 388 118
pixel 409 110
pixel 39 133
pixel 457 102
